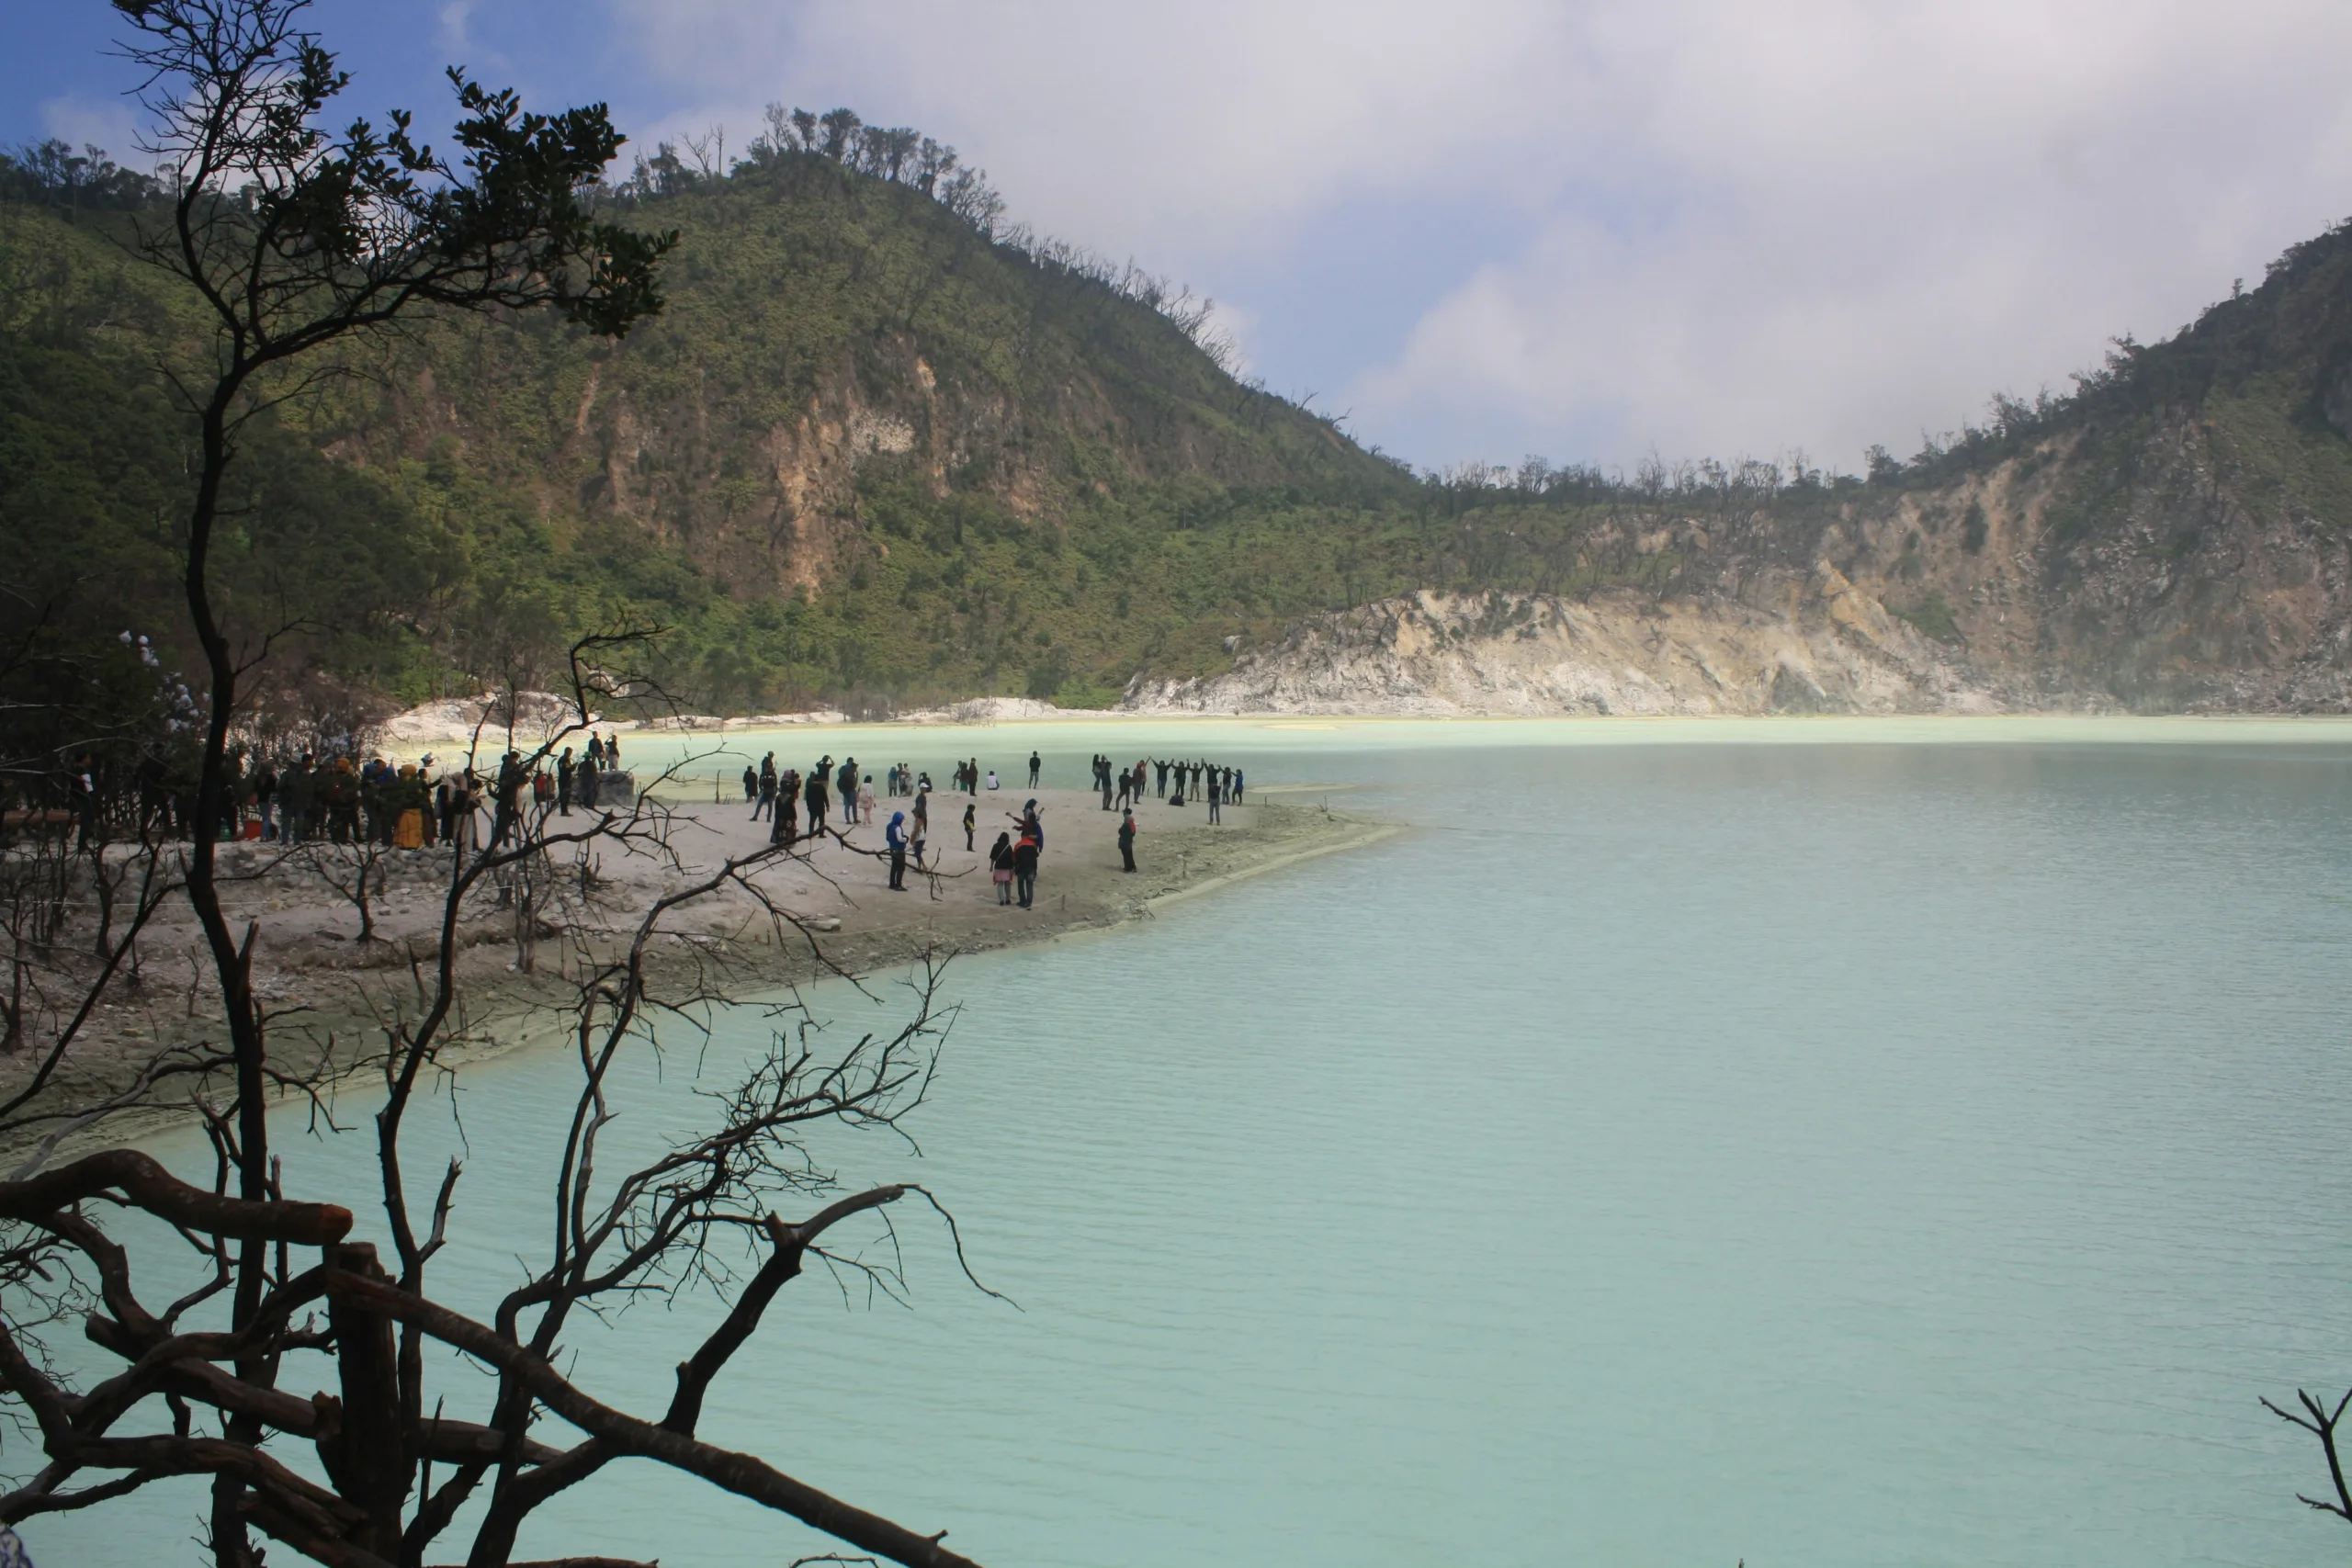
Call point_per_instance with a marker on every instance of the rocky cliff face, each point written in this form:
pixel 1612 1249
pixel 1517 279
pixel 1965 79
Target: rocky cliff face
pixel 2178 539
pixel 2023 586
pixel 2161 568
pixel 1824 646
pixel 819 324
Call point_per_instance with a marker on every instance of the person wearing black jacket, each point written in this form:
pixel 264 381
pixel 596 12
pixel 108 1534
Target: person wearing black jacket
pixel 507 807
pixel 816 798
pixel 1025 870
pixel 845 787
pixel 1001 867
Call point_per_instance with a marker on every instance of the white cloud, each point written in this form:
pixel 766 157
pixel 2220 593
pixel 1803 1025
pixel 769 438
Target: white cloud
pixel 1735 224
pixel 82 120
pixel 1149 129
pixel 1830 224
pixel 454 32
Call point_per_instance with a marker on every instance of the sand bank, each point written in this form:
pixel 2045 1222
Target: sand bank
pixel 328 990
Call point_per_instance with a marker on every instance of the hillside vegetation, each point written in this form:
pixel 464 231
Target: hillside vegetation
pixel 881 450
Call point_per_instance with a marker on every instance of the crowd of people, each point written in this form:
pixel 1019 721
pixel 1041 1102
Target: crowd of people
pixel 303 796
pixel 298 797
pixel 831 797
pixel 1217 785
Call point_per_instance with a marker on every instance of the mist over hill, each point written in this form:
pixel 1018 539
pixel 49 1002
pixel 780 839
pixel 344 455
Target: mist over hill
pixel 882 449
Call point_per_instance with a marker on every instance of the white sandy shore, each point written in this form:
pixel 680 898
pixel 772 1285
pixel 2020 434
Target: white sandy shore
pixel 332 989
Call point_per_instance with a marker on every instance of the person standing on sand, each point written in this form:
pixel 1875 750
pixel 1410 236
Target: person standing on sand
pixel 845 788
pixel 1025 870
pixel 922 820
pixel 1033 765
pixel 1128 838
pixel 895 835
pixel 409 805
pixel 751 788
pixel 816 795
pixel 467 804
pixel 294 792
pixel 266 795
pixel 564 769
pixel 865 799
pixel 507 796
pixel 1001 867
pixel 971 812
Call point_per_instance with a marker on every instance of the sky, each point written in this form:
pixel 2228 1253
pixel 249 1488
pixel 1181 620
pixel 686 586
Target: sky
pixel 1596 231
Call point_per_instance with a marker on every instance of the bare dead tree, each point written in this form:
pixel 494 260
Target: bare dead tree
pixel 354 873
pixel 296 239
pixel 700 1214
pixel 2322 1421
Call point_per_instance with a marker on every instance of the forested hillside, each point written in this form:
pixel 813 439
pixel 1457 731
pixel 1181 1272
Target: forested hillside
pixel 881 449
pixel 870 449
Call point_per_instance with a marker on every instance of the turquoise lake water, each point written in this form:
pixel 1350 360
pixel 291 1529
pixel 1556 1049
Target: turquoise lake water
pixel 1673 1150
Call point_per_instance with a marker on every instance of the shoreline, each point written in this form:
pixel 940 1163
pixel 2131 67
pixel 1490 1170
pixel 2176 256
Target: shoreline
pixel 342 991
pixel 724 737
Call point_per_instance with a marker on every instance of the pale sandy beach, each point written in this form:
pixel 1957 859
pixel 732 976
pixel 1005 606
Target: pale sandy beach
pixel 329 988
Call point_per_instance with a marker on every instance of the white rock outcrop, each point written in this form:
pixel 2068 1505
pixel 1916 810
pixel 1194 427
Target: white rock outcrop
pixel 1828 648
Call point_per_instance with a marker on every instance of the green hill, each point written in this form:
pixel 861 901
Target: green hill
pixel 868 450
pixel 881 451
